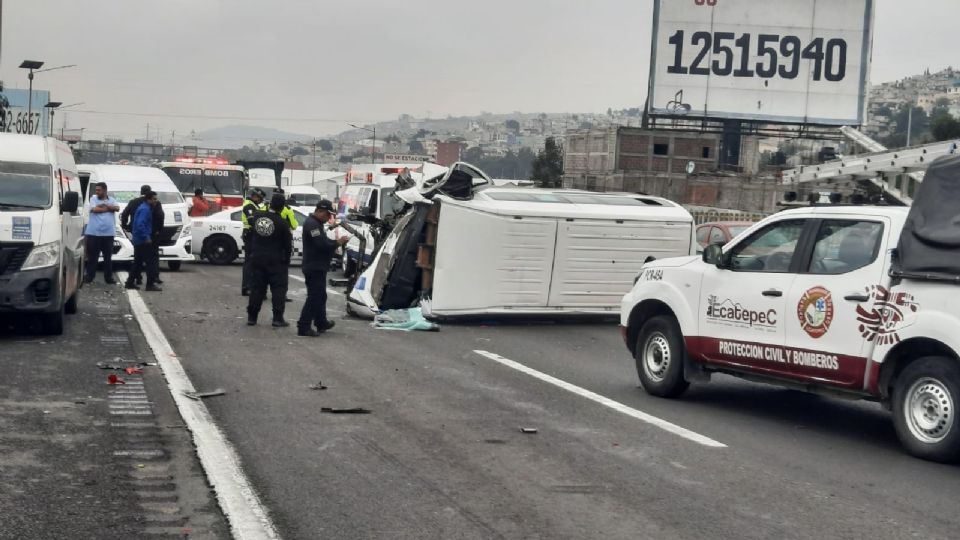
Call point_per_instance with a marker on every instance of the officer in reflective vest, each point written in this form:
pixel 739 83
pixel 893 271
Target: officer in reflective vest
pixel 252 205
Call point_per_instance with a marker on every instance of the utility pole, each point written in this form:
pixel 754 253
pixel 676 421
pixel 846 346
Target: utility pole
pixel 148 132
pixel 909 123
pixel 313 177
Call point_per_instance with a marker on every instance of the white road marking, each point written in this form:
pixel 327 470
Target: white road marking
pixel 247 516
pixel 329 290
pixel 606 402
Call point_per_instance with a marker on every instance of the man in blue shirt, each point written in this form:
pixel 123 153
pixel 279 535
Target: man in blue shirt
pixel 100 232
pixel 143 249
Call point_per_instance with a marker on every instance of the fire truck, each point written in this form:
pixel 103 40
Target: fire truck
pixel 223 184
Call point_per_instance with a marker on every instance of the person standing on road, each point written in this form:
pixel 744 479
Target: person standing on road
pixel 252 205
pixel 200 206
pixel 100 232
pixel 158 218
pixel 157 214
pixel 127 215
pixel 271 247
pixel 318 249
pixel 143 251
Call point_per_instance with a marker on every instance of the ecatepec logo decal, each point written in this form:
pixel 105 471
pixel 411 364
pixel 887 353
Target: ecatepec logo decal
pixel 815 311
pixel 881 321
pixel 730 313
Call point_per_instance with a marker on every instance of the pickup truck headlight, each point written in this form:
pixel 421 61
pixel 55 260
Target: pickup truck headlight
pixel 42 256
pixel 185 232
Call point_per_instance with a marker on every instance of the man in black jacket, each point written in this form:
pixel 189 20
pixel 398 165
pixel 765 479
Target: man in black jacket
pixel 317 251
pixel 271 246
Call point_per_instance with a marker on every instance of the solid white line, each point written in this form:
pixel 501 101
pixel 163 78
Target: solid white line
pixel 247 516
pixel 606 402
pixel 329 290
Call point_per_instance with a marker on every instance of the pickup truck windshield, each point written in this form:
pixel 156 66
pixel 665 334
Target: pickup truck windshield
pixel 25 185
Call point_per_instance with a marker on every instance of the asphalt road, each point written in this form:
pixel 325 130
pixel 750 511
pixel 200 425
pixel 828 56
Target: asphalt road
pixel 442 454
pixel 83 459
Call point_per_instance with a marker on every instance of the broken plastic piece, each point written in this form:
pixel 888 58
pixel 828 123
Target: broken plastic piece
pixel 528 430
pixel 113 379
pixel 200 395
pixel 354 410
pixel 134 371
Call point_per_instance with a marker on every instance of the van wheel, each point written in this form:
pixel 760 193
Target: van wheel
pixel 72 304
pixel 659 355
pixel 174 265
pixel 220 250
pixel 925 399
pixel 53 322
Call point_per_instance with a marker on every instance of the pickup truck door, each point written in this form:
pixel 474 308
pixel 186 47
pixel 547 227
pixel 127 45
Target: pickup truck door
pixel 843 263
pixel 743 304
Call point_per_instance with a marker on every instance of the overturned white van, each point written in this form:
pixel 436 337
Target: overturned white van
pixel 468 249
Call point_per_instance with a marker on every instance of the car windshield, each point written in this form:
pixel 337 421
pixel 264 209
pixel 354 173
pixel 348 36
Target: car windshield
pixel 25 185
pixel 306 199
pixel 165 197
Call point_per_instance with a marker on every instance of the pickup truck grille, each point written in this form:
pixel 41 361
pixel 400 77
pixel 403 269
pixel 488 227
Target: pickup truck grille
pixel 12 256
pixel 169 235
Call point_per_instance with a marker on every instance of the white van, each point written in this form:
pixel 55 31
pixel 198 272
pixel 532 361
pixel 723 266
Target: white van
pixel 468 249
pixel 41 243
pixel 123 184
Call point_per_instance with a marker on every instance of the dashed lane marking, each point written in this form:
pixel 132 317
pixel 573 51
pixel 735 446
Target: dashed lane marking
pixel 606 402
pixel 240 503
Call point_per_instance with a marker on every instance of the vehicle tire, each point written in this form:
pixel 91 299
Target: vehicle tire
pixel 659 355
pixel 72 304
pixel 53 322
pixel 174 265
pixel 220 250
pixel 926 395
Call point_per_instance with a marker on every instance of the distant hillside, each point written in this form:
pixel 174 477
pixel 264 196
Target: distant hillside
pixel 238 136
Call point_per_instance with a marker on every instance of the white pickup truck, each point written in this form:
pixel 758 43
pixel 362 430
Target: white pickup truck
pixel 856 301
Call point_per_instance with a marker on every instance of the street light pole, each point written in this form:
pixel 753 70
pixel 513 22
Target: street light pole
pixel 52 105
pixel 30 65
pixel 373 147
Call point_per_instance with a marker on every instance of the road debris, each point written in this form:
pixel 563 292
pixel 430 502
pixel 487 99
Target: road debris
pixel 528 430
pixel 112 379
pixel 354 410
pixel 134 371
pixel 200 395
pixel 318 386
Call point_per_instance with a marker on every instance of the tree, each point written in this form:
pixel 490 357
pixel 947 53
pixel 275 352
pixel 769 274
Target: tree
pixel 473 155
pixel 512 125
pixel 325 145
pixel 298 151
pixel 945 127
pixel 416 147
pixel 548 167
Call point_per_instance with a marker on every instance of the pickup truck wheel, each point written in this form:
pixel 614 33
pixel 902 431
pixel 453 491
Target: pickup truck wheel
pixel 221 250
pixel 53 322
pixel 925 399
pixel 659 355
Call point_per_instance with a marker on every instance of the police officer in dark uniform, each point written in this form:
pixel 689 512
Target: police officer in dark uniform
pixel 252 205
pixel 271 246
pixel 317 251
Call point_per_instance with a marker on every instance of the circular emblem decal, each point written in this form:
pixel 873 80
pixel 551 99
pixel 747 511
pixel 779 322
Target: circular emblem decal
pixel 264 226
pixel 815 311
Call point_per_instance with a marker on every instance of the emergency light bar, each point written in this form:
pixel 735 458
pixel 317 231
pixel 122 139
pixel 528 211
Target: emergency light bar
pixel 202 161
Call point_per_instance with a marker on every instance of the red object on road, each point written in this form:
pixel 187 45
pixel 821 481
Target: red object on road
pixel 134 371
pixel 113 379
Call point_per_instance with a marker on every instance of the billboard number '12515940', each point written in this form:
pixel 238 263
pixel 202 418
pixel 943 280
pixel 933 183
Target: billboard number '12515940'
pixel 791 61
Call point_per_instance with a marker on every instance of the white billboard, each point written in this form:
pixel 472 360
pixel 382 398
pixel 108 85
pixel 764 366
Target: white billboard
pixel 789 61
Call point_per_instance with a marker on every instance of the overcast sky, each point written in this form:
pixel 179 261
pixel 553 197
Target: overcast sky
pixel 333 61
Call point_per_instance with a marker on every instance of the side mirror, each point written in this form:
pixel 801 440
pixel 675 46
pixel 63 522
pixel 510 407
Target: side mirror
pixel 713 254
pixel 70 203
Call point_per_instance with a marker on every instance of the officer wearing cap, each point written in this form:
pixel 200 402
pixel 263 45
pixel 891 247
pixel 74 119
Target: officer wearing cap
pixel 317 251
pixel 252 205
pixel 271 246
